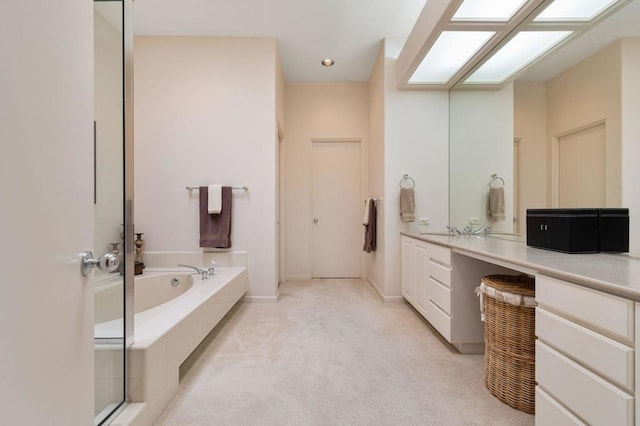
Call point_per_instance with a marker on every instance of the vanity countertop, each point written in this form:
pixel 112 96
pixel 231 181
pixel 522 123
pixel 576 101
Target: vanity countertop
pixel 616 274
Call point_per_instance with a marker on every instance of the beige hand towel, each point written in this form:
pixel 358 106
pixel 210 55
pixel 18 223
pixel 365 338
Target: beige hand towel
pixel 496 204
pixel 407 205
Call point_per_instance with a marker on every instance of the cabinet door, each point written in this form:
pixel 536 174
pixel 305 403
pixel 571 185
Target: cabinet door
pixel 421 259
pixel 408 269
pixel 536 231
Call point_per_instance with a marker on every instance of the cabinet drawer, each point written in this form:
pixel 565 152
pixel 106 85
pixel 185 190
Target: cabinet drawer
pixel 440 295
pixel 590 397
pixel 439 320
pixel 605 356
pixel 440 254
pixel 612 315
pixel 551 412
pixel 440 273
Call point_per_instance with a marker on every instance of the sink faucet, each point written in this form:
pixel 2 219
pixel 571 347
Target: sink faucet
pixel 204 273
pixel 453 230
pixel 483 229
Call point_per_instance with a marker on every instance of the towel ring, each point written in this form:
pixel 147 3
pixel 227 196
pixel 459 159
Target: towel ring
pixel 408 180
pixel 495 177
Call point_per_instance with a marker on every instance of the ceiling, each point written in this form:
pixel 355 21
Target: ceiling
pixel 348 31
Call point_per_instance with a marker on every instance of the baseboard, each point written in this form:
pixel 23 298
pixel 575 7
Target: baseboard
pixel 261 299
pixel 385 299
pixel 297 277
pixel 374 286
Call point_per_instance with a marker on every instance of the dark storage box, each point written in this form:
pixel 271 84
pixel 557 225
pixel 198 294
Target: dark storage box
pixel 579 230
pixel 613 230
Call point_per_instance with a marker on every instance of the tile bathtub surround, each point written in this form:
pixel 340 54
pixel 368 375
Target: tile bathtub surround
pixel 329 352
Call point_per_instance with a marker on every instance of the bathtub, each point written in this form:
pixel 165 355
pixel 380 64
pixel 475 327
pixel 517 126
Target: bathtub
pixel 174 310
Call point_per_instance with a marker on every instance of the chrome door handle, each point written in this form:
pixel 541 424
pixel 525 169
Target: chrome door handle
pixel 108 262
pixel 315 220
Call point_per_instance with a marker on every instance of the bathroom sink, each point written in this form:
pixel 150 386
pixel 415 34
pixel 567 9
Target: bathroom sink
pixel 444 233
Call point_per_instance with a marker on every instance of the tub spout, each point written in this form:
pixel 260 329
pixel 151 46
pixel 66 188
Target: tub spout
pixel 195 268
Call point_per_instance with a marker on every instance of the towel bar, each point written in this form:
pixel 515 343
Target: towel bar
pixel 244 188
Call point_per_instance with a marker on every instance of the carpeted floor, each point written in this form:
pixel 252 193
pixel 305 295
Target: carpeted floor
pixel 331 353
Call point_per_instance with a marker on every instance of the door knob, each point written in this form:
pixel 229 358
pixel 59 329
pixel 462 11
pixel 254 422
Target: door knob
pixel 108 262
pixel 315 220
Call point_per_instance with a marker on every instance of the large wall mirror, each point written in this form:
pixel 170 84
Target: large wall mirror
pixel 555 136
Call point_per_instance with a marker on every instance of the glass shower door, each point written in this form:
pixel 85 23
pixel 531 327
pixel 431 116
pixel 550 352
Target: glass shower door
pixel 109 105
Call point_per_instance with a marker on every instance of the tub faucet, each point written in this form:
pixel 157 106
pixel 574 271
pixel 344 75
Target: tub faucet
pixel 203 272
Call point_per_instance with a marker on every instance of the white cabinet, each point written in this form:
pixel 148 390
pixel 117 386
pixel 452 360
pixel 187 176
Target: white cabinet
pixel 426 283
pixel 415 260
pixel 585 355
pixel 408 265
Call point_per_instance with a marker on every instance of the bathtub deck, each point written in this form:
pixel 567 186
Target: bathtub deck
pixel 167 334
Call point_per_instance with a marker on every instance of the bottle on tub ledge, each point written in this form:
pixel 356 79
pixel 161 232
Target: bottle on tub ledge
pixel 139 265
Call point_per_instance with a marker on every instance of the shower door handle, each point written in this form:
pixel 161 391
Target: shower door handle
pixel 108 262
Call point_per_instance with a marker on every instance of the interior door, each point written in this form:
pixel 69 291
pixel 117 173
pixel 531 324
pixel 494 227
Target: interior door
pixel 337 231
pixel 46 218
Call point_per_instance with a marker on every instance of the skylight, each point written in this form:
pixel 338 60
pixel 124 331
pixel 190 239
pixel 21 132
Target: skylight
pixel 448 54
pixel 574 10
pixel 492 10
pixel 519 52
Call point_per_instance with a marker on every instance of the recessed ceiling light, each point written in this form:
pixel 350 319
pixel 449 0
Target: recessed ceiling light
pixel 327 62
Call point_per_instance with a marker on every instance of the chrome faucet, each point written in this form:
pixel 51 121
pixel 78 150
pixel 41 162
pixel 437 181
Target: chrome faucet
pixel 204 273
pixel 483 229
pixel 468 230
pixel 453 230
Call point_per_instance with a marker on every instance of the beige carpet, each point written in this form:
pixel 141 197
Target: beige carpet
pixel 330 353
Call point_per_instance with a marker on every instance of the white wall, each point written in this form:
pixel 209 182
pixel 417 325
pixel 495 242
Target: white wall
pixel 376 260
pixel 582 95
pixel 481 144
pixel 530 128
pixel 315 111
pixel 631 137
pixel 46 219
pixel 205 112
pixel 416 142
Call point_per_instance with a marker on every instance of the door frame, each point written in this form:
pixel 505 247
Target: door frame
pixel 364 187
pixel 555 157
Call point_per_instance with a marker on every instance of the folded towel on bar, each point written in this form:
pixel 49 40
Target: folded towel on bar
pixel 370 231
pixel 215 229
pixel 407 205
pixel 365 219
pixel 215 199
pixel 496 204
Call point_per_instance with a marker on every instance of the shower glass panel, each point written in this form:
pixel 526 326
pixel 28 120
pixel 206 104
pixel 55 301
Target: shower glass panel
pixel 109 104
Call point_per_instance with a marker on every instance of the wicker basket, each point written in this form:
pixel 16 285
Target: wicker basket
pixel 509 336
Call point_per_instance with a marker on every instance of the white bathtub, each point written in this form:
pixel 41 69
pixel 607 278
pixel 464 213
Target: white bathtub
pixel 170 321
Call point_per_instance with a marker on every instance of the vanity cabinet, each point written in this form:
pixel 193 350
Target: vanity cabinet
pixel 428 284
pixel 585 355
